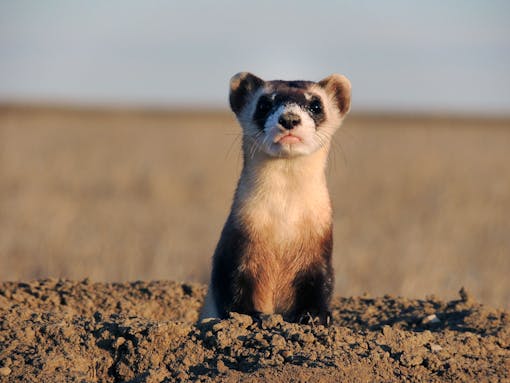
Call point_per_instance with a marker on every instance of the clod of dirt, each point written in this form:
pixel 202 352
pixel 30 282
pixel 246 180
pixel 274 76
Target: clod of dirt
pixel 5 371
pixel 59 330
pixel 431 320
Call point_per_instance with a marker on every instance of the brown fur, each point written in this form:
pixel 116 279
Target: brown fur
pixel 274 268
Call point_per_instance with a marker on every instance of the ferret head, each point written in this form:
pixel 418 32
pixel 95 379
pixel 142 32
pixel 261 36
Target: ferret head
pixel 288 118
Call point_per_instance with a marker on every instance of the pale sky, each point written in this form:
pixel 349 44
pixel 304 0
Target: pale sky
pixel 439 56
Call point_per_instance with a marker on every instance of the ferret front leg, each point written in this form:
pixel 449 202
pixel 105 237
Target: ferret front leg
pixel 313 289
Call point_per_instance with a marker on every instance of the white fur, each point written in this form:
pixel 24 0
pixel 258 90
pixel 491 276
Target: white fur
pixel 277 195
pixel 312 137
pixel 274 131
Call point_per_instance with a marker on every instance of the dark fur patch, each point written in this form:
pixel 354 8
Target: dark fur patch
pixel 287 92
pixel 240 94
pixel 314 286
pixel 225 265
pixel 318 116
pixel 264 107
pixel 231 287
pixel 282 85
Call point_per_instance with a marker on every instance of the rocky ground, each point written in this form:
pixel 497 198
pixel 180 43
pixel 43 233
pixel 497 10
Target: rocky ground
pixel 66 331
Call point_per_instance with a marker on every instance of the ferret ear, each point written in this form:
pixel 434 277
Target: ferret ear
pixel 242 85
pixel 338 87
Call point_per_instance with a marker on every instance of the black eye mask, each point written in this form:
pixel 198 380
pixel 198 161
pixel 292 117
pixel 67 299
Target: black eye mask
pixel 267 104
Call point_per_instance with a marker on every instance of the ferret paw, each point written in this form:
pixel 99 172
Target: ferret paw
pixel 325 318
pixel 256 316
pixel 322 318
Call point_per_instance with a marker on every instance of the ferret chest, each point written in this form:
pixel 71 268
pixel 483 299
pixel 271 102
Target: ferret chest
pixel 286 235
pixel 282 212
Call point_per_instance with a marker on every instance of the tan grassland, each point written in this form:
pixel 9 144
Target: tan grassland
pixel 422 204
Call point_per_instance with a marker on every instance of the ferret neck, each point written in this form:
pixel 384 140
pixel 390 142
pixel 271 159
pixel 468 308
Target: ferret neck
pixel 263 171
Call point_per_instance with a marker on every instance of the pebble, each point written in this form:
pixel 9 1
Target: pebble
pixel 261 341
pixel 431 319
pixel 5 371
pixel 306 337
pixel 220 366
pixel 278 341
pixel 220 326
pixel 119 342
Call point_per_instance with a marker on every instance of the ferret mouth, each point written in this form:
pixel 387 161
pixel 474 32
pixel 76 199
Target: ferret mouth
pixel 287 139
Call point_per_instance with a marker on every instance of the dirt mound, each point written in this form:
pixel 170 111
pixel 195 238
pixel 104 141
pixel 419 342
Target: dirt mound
pixel 59 330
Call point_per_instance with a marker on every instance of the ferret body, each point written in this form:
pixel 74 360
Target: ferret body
pixel 274 253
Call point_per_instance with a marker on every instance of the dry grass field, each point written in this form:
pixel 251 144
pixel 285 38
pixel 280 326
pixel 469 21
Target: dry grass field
pixel 422 205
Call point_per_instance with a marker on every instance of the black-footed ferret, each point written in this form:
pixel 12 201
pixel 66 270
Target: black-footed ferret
pixel 274 254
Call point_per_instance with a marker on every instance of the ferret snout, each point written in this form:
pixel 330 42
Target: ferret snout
pixel 289 120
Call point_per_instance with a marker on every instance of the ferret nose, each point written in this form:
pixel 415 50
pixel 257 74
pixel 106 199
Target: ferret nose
pixel 289 120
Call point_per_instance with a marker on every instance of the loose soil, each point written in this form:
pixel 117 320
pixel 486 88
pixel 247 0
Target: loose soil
pixel 66 331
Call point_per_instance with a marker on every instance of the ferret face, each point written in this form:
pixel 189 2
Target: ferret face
pixel 288 118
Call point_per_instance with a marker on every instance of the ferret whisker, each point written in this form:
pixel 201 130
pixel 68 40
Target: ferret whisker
pixel 264 141
pixel 255 144
pixel 259 144
pixel 234 141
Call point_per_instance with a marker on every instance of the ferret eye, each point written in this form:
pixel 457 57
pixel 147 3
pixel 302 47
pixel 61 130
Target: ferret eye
pixel 315 106
pixel 264 105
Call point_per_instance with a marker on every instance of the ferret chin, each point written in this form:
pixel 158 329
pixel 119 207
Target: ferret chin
pixel 274 253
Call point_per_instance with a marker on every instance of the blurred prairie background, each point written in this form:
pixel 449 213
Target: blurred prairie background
pixel 118 157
